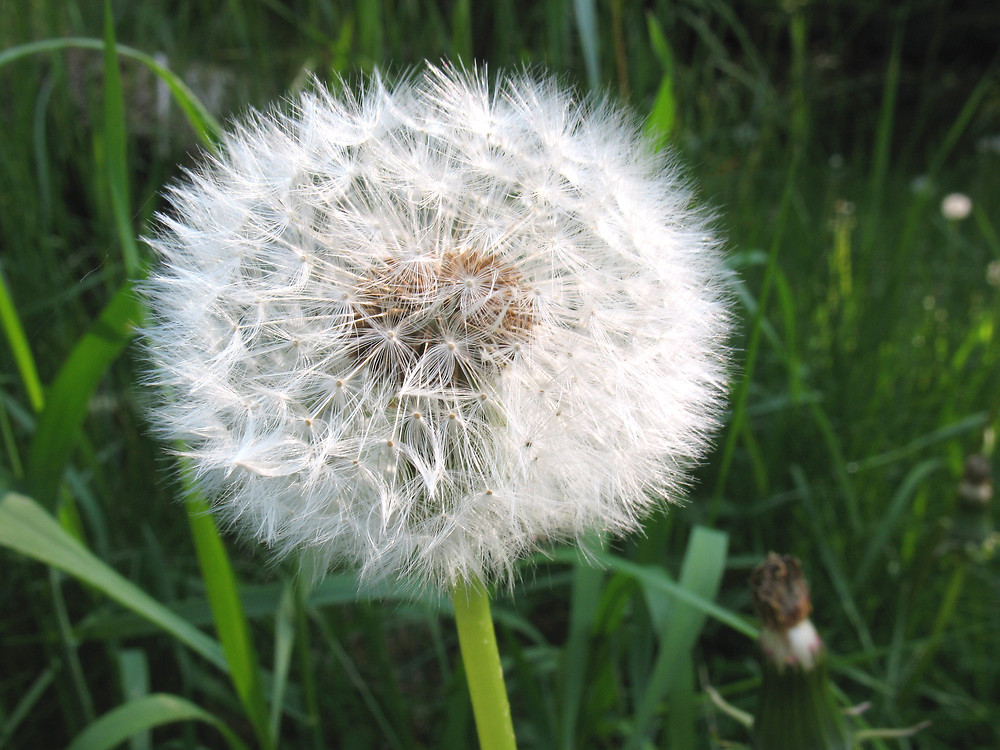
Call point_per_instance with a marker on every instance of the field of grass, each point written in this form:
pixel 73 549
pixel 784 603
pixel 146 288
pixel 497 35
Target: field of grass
pixel 867 370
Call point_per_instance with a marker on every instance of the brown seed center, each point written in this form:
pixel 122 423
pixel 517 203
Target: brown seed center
pixel 468 308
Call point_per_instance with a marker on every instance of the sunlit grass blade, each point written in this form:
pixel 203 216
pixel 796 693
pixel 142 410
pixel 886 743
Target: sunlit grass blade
pixel 19 347
pixel 27 528
pixel 69 395
pixel 230 620
pixel 701 574
pixel 660 123
pixel 143 714
pixel 205 125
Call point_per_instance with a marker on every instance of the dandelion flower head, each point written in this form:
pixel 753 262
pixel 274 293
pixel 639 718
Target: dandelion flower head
pixel 424 328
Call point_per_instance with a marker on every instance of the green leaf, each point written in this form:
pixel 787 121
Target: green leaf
pixel 115 146
pixel 230 619
pixel 27 528
pixel 66 405
pixel 142 714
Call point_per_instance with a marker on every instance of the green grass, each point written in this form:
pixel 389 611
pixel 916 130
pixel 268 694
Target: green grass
pixel 868 368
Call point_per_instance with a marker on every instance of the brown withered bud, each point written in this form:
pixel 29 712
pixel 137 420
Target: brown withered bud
pixel 780 592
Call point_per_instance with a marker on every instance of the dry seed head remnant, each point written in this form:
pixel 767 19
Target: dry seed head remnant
pixel 423 328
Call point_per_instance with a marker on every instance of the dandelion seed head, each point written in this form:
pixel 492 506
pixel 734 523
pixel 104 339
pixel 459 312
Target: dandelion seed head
pixel 422 328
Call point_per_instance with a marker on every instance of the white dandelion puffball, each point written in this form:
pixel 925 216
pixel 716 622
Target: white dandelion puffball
pixel 425 328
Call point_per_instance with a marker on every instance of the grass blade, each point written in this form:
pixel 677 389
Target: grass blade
pixel 230 619
pixel 66 406
pixel 660 123
pixel 27 528
pixel 284 641
pixel 585 600
pixel 143 714
pixel 115 146
pixel 586 24
pixel 202 121
pixel 701 574
pixel 11 323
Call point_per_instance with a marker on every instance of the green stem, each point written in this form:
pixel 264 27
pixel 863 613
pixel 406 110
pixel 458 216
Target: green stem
pixel 482 666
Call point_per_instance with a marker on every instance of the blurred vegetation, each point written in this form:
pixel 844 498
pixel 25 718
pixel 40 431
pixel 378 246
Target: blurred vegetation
pixel 826 134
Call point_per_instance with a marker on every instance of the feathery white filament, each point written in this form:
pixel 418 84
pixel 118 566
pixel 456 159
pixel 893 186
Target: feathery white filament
pixel 424 328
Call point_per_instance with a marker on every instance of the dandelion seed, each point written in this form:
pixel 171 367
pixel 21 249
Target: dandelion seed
pixel 457 266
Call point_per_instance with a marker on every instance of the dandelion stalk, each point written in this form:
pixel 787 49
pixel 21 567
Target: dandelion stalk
pixel 483 672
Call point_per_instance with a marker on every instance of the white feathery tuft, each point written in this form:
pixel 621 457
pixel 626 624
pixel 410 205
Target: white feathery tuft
pixel 424 329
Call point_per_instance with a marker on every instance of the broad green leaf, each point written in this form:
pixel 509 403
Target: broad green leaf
pixel 143 714
pixel 27 528
pixel 69 395
pixel 115 146
pixel 230 619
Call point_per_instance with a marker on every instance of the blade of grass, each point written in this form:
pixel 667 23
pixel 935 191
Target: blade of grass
pixel 284 642
pixel 586 25
pixel 27 528
pixel 143 714
pixel 115 146
pixel 660 123
pixel 360 684
pixel 230 619
pixel 69 395
pixel 833 567
pixel 701 574
pixel 134 669
pixel 202 121
pixel 891 517
pixel 19 347
pixel 585 599
pixel 461 31
pixel 34 693
pixel 741 394
pixel 656 579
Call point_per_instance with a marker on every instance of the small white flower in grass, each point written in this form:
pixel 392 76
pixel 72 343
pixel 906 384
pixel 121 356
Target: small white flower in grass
pixel 424 328
pixel 956 206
